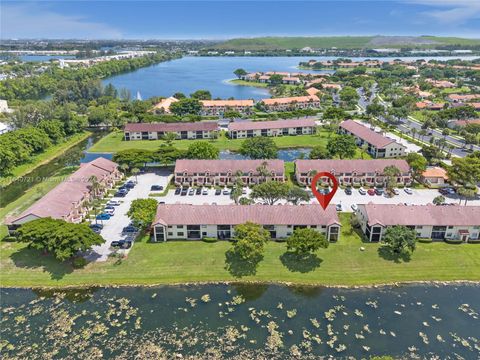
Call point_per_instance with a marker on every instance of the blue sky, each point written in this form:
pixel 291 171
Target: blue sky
pixel 227 19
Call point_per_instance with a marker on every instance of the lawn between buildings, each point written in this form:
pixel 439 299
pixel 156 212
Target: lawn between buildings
pixel 187 261
pixel 114 142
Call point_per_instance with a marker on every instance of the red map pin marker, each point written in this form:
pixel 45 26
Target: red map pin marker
pixel 324 200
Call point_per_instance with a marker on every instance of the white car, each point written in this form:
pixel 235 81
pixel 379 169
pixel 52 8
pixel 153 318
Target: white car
pixel 109 211
pixel 396 192
pixel 205 192
pixel 354 207
pixel 113 203
pixel 362 191
pixel 408 191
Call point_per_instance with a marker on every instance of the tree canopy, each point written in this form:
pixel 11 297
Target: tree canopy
pixel 343 146
pixel 250 240
pixel 58 237
pixel 270 191
pixel 202 150
pixel 259 148
pixel 186 107
pixel 304 241
pixel 400 239
pixel 142 212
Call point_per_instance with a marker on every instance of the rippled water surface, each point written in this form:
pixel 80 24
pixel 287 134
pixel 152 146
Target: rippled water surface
pixel 242 321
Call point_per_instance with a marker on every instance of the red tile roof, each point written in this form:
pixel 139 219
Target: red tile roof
pixel 466 122
pixel 435 172
pixel 366 134
pixel 223 166
pixel 58 203
pixel 349 166
pixel 181 214
pixel 463 97
pixel 288 100
pixel 226 103
pixel 166 127
pixel 274 124
pixel 389 215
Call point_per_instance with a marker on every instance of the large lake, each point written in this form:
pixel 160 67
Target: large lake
pixel 189 74
pixel 242 322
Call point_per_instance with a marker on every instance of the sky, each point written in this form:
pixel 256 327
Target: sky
pixel 122 19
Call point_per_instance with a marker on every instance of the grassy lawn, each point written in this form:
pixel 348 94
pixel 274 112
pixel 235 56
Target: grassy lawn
pixel 114 142
pixel 32 195
pixel 43 158
pixel 248 83
pixel 456 90
pixel 160 263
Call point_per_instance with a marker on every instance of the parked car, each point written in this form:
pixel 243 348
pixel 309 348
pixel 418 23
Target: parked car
pixel 178 191
pixel 218 192
pixel 379 191
pixel 244 191
pixel 198 191
pixel 348 191
pixel 123 244
pixel 371 192
pixel 110 212
pixel 447 191
pixel 113 203
pixel 396 191
pixel 130 185
pixel 191 191
pixel 129 229
pixel 98 226
pixel 205 191
pixel 338 207
pixel 123 189
pixel 119 194
pixel 408 191
pixel 110 207
pixel 184 192
pixel 362 191
pixel 226 192
pixel 103 216
pixel 354 207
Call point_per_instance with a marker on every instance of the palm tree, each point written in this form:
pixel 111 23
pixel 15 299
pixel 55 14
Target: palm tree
pixel 263 170
pixel 467 193
pixel 124 168
pixel 95 186
pixel 392 173
pixel 414 132
pixel 135 172
pixel 422 133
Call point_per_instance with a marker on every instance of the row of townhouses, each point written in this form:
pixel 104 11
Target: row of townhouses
pixel 209 129
pixel 70 200
pixel 194 222
pixel 348 172
pixel 220 107
pixel 428 221
pixel 226 172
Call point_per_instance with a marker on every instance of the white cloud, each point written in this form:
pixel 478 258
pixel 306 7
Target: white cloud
pixel 32 21
pixel 451 11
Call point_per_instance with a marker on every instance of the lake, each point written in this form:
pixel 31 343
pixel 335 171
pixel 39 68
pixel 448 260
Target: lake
pixel 242 321
pixel 189 74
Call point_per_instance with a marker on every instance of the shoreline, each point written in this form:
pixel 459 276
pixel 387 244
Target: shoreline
pixel 62 150
pixel 436 283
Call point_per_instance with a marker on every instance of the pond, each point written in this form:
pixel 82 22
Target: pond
pixel 282 154
pixel 73 156
pixel 242 321
pixel 189 74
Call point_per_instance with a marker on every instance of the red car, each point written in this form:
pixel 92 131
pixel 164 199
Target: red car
pixel 371 192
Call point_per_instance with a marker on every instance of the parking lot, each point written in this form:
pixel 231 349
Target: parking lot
pixel 112 228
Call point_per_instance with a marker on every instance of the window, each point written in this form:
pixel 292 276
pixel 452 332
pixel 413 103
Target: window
pixel 419 227
pixel 289 226
pixel 170 234
pixel 179 226
pixel 181 233
pixel 169 226
pixel 313 226
pixel 204 233
pixel 450 227
pixel 438 232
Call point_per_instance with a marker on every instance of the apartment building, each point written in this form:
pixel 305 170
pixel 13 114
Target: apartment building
pixel 353 172
pixel 429 221
pixel 155 131
pixel 70 199
pixel 246 129
pixel 291 103
pixel 195 222
pixel 220 107
pixel 225 172
pixel 379 146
